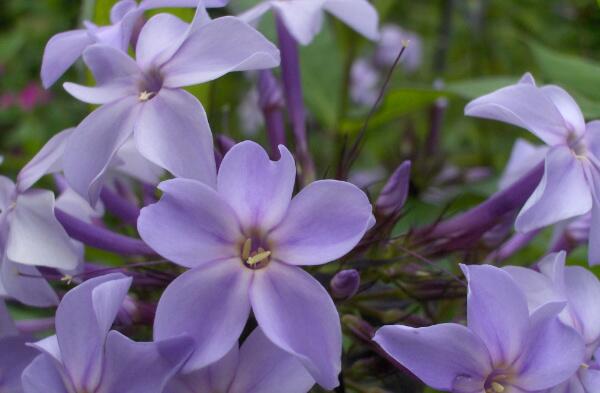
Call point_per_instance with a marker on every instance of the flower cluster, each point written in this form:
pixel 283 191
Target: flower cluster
pixel 225 288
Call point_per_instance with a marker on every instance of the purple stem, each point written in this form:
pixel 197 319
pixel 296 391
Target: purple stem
pixel 512 246
pixel 119 206
pixel 271 102
pixel 101 238
pixel 481 218
pixel 292 85
pixel 563 243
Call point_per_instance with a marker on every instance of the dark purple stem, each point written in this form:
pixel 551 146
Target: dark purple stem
pixel 119 206
pixel 563 243
pixel 292 85
pixel 271 102
pixel 101 238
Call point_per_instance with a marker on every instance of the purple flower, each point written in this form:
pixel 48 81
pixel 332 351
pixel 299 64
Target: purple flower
pixel 84 356
pixel 257 367
pixel 567 188
pixel 503 349
pixel 523 158
pixel 304 18
pixel 364 81
pixel 144 97
pixel 63 49
pixel 345 284
pixel 392 39
pixel 580 289
pixel 245 241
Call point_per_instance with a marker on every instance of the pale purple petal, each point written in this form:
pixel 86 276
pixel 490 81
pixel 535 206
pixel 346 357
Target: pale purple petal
pixel 265 368
pixel 527 78
pixel 43 376
pixel 523 158
pixel 552 352
pixel 130 162
pixel 61 52
pixel 36 237
pixel 120 9
pixel 209 303
pixel 296 313
pixel 568 108
pixel 26 284
pixel 7 326
pixel 358 14
pixel 594 234
pixel 83 320
pixel 47 160
pixel 49 346
pixel 74 204
pixel 7 195
pixel 324 222
pixel 191 225
pixel 440 355
pixel 119 34
pixel 149 4
pixel 216 48
pixel 525 106
pixel 158 34
pixel 302 18
pixel 15 355
pixel 538 288
pixel 562 193
pixel 253 15
pixel 94 143
pixel 497 311
pixel 258 189
pixel 173 132
pixel 583 291
pixel 590 378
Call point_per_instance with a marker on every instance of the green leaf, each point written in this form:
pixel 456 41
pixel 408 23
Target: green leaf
pixel 473 88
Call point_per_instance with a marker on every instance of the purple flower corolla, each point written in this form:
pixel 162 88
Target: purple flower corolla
pixel 84 356
pixel 258 366
pixel 580 289
pixel 63 49
pixel 144 98
pixel 567 188
pixel 503 349
pixel 245 242
pixel 304 18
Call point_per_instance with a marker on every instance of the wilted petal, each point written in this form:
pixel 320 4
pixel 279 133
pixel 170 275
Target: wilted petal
pixel 296 313
pixel 43 376
pixel 324 222
pixel 61 52
pixel 191 225
pixel 35 235
pixel 26 284
pixel 173 132
pixel 562 193
pixel 158 34
pixel 265 368
pixel 15 355
pixel 303 19
pixel 552 352
pixel 83 320
pixel 47 160
pixel 440 355
pixel 258 189
pixel 135 367
pixel 358 14
pixel 94 143
pixel 210 304
pixel 216 48
pixel 497 311
pixel 525 106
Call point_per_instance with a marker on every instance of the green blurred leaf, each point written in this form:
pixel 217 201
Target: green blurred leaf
pixel 102 11
pixel 473 88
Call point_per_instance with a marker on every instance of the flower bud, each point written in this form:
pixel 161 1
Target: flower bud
pixel 345 284
pixel 394 193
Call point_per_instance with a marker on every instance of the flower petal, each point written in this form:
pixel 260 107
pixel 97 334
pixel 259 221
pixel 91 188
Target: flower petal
pixel 265 368
pixel 210 304
pixel 216 48
pixel 258 189
pixel 26 284
pixel 253 15
pixel 302 18
pixel 552 352
pixel 538 289
pixel 94 143
pixel 7 325
pixel 173 132
pixel 191 225
pixel 158 34
pixel 523 158
pixel 149 4
pixel 325 221
pixel 120 9
pixel 15 355
pixel 497 312
pixel 296 313
pixel 42 376
pixel 35 235
pixel 562 193
pixel 583 291
pixel 130 162
pixel 61 52
pixel 358 14
pixel 568 108
pixel 439 355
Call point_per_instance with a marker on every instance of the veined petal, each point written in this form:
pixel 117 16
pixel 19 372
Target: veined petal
pixel 440 355
pixel 358 14
pixel 258 189
pixel 324 222
pixel 158 34
pixel 296 313
pixel 302 18
pixel 172 131
pixel 216 48
pixel 191 225
pixel 210 304
pixel 61 52
pixel 562 193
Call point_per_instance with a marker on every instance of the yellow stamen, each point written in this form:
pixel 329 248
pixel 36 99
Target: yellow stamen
pixel 246 249
pixel 261 256
pixel 145 95
pixel 67 278
pixel 497 388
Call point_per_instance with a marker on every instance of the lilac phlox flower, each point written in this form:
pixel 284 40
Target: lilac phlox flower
pixel 143 97
pixel 244 242
pixel 15 355
pixel 257 367
pixel 391 40
pixel 304 18
pixel 63 49
pixel 84 356
pixel 523 158
pixel 567 188
pixel 364 82
pixel 580 289
pixel 503 349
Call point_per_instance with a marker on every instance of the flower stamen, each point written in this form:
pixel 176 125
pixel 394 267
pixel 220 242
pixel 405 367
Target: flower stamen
pixel 146 95
pixel 259 257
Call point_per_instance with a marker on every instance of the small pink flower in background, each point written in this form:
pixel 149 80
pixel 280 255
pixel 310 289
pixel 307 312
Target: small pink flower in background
pixel 31 96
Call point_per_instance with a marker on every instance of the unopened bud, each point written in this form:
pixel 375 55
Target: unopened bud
pixel 394 193
pixel 345 284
